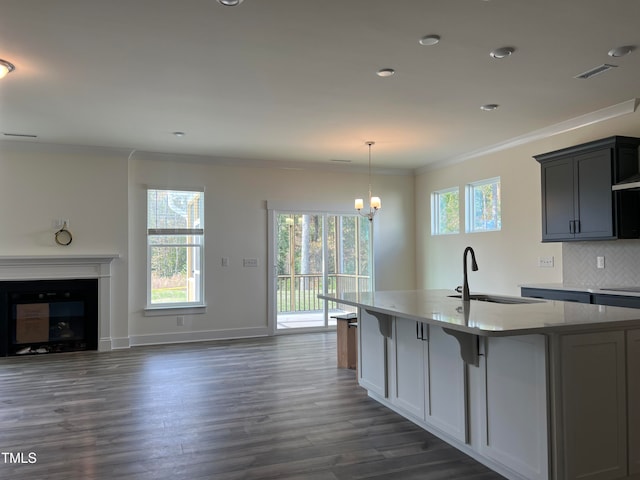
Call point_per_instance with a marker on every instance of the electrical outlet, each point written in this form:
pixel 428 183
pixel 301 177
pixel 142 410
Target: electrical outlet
pixel 225 261
pixel 545 262
pixel 600 262
pixel 180 321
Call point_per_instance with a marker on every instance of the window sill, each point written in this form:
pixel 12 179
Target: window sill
pixel 177 310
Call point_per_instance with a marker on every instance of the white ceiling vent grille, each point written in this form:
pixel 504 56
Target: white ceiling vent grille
pixel 596 71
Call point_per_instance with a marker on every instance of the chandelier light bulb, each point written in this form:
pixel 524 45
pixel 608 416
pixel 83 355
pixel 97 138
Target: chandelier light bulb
pixel 6 68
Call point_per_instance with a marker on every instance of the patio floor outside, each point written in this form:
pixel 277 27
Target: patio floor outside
pixel 314 319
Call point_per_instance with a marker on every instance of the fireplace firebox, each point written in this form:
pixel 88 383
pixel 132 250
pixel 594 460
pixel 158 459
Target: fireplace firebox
pixel 48 316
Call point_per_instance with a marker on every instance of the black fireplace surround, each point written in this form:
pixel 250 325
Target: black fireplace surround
pixel 48 316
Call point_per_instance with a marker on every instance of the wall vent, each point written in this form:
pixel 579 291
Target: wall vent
pixel 596 71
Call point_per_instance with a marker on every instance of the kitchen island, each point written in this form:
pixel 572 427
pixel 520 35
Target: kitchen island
pixel 534 390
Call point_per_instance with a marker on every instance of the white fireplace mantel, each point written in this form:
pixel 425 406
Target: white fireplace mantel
pixel 65 267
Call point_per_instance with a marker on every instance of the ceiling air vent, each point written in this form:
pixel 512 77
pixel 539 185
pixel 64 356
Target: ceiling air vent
pixel 595 71
pixel 21 135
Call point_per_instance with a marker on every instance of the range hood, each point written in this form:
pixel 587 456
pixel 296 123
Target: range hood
pixel 630 183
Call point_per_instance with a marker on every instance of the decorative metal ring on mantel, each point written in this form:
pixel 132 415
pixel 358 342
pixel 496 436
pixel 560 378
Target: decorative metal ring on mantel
pixel 63 236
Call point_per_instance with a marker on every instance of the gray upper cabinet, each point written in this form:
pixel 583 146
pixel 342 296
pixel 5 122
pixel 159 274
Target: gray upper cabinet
pixel 577 200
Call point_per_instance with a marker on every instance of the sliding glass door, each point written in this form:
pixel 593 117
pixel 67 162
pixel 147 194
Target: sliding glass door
pixel 318 253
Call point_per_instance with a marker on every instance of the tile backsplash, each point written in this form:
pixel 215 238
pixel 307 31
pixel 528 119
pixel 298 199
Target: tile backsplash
pixel 621 261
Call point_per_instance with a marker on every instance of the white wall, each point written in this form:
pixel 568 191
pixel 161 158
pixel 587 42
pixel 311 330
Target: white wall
pixel 101 192
pixel 236 227
pixel 507 258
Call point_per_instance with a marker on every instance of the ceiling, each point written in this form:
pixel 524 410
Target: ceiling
pixel 295 80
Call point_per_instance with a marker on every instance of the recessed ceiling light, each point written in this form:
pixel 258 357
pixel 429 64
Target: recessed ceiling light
pixel 489 107
pixel 386 72
pixel 6 68
pixel 621 51
pixel 179 134
pixel 502 52
pixel 429 40
pixel 230 3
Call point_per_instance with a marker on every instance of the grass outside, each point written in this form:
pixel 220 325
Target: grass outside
pixel 169 295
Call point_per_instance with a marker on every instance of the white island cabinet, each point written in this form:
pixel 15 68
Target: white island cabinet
pixel 372 350
pixel 545 390
pixel 428 379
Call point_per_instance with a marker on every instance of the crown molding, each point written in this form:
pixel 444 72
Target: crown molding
pixel 591 118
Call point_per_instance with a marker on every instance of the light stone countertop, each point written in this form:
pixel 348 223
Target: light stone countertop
pixel 492 319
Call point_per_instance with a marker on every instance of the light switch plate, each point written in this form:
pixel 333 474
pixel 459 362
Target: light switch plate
pixel 249 262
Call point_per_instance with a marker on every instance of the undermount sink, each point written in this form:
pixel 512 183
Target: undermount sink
pixel 480 297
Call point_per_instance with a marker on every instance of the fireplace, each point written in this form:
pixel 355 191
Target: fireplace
pixel 55 303
pixel 48 316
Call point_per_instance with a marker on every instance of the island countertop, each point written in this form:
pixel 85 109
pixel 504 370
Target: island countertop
pixel 491 319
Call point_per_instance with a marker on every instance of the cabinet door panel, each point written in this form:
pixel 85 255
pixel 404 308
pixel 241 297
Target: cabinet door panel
pixel 372 351
pixel 594 199
pixel 516 433
pixel 633 379
pixel 446 385
pixel 409 367
pixel 594 406
pixel 557 199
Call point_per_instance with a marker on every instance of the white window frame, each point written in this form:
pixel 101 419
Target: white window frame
pixel 198 232
pixel 435 211
pixel 469 206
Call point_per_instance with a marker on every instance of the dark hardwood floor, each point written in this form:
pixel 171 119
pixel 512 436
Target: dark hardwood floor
pixel 245 409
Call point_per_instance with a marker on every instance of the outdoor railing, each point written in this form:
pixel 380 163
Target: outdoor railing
pixel 299 293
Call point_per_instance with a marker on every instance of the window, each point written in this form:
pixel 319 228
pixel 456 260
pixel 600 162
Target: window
pixel 445 212
pixel 483 206
pixel 175 242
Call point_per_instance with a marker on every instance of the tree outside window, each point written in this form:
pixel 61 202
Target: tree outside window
pixel 483 206
pixel 445 211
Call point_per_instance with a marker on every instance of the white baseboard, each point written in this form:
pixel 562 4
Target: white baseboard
pixel 203 336
pixel 119 343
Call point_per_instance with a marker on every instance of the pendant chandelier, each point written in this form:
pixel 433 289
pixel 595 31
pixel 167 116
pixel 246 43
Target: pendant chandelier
pixel 375 203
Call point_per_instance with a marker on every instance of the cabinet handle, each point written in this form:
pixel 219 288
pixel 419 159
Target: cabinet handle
pixel 576 228
pixel 571 226
pixel 420 331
